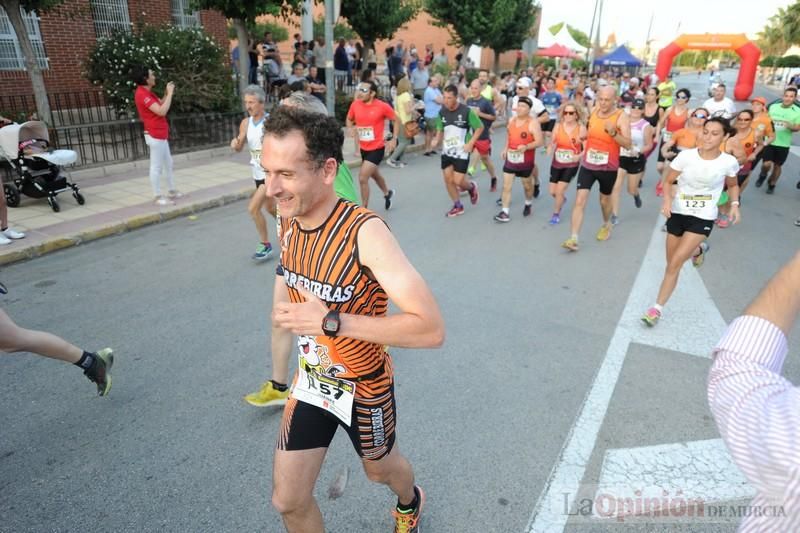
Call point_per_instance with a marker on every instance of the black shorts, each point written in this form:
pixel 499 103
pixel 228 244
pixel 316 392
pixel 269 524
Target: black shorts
pixel 549 125
pixel 661 158
pixel 741 178
pixel 459 165
pixel 373 156
pixel 632 165
pixel 564 174
pixel 776 154
pixel 372 426
pixel 678 224
pixel 519 172
pixel 606 179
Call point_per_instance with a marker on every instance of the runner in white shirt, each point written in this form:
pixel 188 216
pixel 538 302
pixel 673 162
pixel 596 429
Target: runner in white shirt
pixel 720 105
pixel 251 131
pixel 701 175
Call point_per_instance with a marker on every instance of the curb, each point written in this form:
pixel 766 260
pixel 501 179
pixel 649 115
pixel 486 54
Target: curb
pixel 139 221
pixel 87 235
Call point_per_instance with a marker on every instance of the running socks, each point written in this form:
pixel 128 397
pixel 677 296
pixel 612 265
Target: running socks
pixel 406 509
pixel 659 308
pixel 282 387
pixel 86 361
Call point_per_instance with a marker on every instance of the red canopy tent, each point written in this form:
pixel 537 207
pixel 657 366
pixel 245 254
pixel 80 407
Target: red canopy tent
pixel 556 50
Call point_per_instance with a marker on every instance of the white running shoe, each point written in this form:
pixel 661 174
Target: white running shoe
pixel 163 201
pixel 13 234
pixel 4 240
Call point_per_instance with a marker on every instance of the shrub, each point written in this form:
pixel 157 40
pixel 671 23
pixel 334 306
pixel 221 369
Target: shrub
pixel 256 30
pixel 341 105
pixel 186 56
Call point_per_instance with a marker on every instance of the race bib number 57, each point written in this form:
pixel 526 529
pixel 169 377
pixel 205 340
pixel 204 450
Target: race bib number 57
pixel 326 392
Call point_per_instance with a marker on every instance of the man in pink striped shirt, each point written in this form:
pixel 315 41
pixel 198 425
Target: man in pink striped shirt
pixel 758 411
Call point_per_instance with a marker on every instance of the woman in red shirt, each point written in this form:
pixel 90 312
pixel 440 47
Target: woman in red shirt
pixel 153 113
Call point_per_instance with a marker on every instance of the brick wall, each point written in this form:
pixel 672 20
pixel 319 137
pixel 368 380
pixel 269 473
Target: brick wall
pixel 69 37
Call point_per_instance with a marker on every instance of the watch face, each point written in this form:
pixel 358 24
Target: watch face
pixel 331 325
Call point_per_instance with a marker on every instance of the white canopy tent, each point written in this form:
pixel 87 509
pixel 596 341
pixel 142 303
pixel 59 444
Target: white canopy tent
pixel 563 38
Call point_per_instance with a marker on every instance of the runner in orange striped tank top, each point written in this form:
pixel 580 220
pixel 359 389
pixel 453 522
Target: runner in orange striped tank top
pixel 609 129
pixel 566 150
pixel 524 136
pixel 341 266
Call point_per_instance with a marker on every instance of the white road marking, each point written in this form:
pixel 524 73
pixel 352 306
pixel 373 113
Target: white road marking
pixel 691 324
pixel 700 470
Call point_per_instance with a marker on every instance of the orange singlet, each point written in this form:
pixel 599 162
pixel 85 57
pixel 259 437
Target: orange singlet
pixel 519 135
pixel 685 139
pixel 567 146
pixel 602 151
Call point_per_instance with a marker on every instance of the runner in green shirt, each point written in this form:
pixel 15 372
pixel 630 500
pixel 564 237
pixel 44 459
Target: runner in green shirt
pixel 785 117
pixel 460 127
pixel 665 90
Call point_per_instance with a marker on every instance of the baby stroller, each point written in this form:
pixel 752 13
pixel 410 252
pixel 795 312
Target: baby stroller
pixel 38 168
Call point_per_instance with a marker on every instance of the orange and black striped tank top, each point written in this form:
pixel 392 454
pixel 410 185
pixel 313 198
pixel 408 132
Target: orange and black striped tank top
pixel 325 261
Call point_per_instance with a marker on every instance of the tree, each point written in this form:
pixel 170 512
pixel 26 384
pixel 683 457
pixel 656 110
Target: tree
pixel 12 8
pixel 510 26
pixel 378 19
pixel 340 30
pixel 279 32
pixel 465 21
pixel 242 13
pixel 580 37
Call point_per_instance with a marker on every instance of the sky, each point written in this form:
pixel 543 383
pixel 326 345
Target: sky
pixel 629 19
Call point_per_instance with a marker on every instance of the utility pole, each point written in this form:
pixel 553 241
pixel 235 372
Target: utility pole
pixel 589 49
pixel 330 20
pixel 647 41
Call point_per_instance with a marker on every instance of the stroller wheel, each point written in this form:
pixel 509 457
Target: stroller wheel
pixel 53 204
pixel 12 194
pixel 79 197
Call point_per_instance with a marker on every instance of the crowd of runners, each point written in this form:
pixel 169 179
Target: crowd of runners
pixel 338 265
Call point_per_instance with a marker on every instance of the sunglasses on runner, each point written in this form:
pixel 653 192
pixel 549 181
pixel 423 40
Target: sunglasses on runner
pixel 363 89
pixel 570 112
pixel 744 119
pixel 682 97
pixel 699 115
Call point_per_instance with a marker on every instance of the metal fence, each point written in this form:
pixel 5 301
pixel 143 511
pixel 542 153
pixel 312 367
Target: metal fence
pixel 68 108
pixel 110 142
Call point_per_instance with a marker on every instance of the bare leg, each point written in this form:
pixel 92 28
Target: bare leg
pixel 376 175
pixel 633 183
pixel 364 173
pixel 487 160
pixel 294 475
pixel 449 183
pixel 615 193
pixel 605 207
pixel 16 339
pixel 577 211
pixel 776 174
pixel 560 198
pixel 258 200
pixel 679 250
pixel 527 185
pixel 395 472
pixel 508 183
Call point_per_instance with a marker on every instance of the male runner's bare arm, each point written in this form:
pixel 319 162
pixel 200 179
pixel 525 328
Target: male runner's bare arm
pixel 418 325
pixel 623 137
pixel 238 142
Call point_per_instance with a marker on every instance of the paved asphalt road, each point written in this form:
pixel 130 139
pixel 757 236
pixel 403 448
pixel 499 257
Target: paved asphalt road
pixel 483 420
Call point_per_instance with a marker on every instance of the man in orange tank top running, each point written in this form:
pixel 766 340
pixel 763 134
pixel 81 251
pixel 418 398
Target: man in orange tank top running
pixel 341 266
pixel 609 129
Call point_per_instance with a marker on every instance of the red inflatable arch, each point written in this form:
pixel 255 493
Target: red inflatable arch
pixel 739 43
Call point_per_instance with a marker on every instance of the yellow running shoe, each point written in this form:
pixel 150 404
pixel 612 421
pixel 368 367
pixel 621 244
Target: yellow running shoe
pixel 570 244
pixel 267 395
pixel 604 233
pixel 408 522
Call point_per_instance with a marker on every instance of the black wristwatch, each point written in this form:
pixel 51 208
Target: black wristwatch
pixel 331 324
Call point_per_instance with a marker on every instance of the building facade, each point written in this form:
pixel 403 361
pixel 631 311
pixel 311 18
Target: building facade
pixel 64 36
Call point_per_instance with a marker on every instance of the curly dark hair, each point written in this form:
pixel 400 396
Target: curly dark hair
pixel 322 134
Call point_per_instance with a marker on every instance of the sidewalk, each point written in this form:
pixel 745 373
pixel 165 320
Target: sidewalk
pixel 119 199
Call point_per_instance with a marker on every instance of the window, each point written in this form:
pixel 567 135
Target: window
pixel 10 52
pixel 182 17
pixel 110 16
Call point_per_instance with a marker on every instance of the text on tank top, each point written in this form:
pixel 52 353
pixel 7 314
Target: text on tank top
pixel 255 137
pixel 567 146
pixel 325 261
pixel 519 135
pixel 602 151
